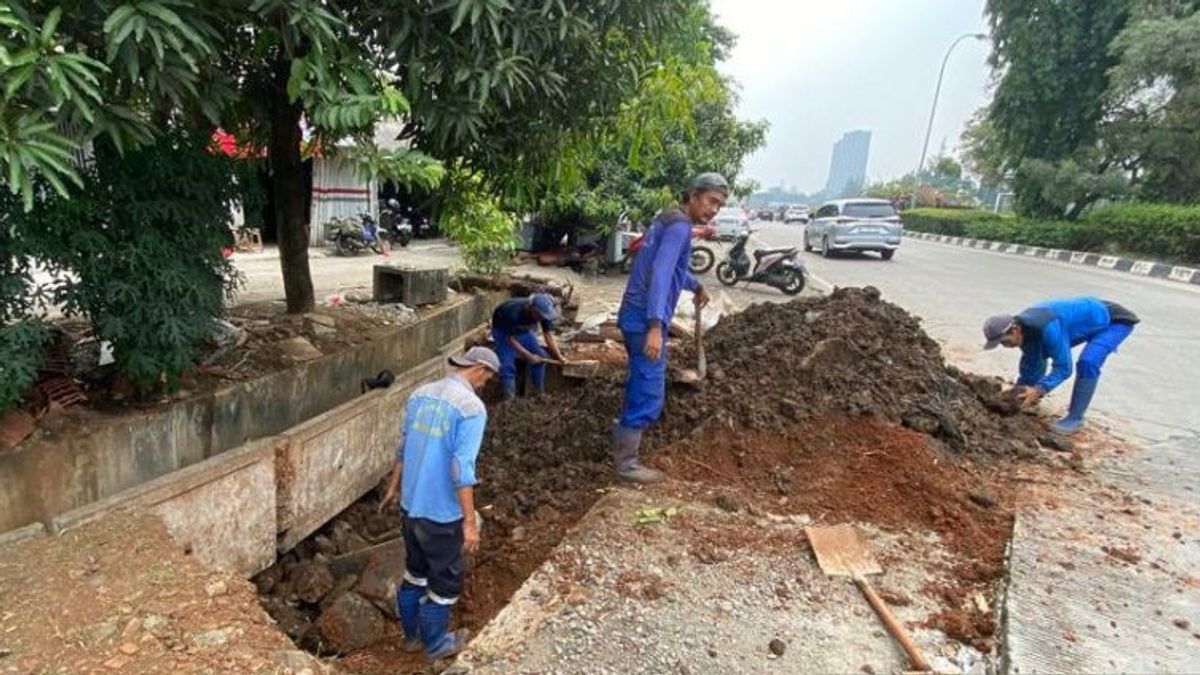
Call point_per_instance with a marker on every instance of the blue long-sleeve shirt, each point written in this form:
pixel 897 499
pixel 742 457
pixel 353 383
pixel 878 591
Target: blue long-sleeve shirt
pixel 660 273
pixel 1051 329
pixel 443 429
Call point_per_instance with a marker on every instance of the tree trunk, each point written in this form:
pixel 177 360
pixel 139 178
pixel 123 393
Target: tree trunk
pixel 287 184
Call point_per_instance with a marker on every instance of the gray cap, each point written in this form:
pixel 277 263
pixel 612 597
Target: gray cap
pixel 477 356
pixel 709 181
pixel 995 328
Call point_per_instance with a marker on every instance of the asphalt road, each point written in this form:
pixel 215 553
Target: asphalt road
pixel 1148 390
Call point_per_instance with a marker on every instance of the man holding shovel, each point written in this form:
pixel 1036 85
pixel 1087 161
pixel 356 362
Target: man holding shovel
pixel 514 326
pixel 660 273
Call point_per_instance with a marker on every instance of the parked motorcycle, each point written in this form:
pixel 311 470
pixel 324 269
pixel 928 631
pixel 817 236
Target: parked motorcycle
pixel 776 267
pixel 396 228
pixel 352 237
pixel 702 258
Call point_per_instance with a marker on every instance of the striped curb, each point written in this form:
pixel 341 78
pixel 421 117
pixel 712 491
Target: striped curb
pixel 1144 268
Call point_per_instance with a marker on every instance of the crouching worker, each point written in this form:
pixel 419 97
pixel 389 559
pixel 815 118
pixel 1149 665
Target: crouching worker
pixel 1046 332
pixel 514 330
pixel 443 429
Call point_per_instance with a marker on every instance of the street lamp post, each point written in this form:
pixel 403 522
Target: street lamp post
pixel 933 110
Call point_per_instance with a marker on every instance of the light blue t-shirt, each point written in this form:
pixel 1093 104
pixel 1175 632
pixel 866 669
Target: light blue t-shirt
pixel 443 429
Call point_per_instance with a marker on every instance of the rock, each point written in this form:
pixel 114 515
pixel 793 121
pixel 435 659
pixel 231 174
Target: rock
pixel 214 638
pixel 382 574
pixel 323 332
pixel 216 588
pixel 982 499
pixel 320 320
pixel 343 585
pixel 777 647
pixel 312 581
pixel 128 648
pixel 712 653
pixel 266 580
pixel 1182 623
pixel 1056 442
pixel 325 545
pixel 727 503
pixel 350 623
pixel 101 632
pixel 155 624
pixel 290 620
pixel 295 660
pixel 226 334
pixel 116 663
pixel 297 350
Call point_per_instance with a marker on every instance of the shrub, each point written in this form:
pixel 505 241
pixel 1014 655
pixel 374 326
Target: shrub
pixel 952 222
pixel 486 233
pixel 138 252
pixel 21 346
pixel 1166 231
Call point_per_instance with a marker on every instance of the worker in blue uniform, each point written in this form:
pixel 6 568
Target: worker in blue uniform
pixel 514 330
pixel 660 273
pixel 1045 334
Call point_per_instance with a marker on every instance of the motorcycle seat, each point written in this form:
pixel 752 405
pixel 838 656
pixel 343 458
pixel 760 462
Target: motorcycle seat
pixel 758 255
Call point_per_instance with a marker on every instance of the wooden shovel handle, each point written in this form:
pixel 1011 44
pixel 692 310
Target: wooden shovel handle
pixel 916 659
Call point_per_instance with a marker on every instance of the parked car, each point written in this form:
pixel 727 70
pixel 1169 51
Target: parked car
pixel 730 221
pixel 766 214
pixel 796 214
pixel 855 225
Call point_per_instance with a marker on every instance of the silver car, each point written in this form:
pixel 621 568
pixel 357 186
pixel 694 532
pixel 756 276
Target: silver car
pixel 854 225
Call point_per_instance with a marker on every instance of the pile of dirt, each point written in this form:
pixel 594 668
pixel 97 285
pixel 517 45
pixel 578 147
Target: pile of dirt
pixel 775 365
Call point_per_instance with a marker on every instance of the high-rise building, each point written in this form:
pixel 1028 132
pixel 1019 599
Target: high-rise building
pixel 848 167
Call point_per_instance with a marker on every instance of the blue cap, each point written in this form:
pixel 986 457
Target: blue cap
pixel 545 305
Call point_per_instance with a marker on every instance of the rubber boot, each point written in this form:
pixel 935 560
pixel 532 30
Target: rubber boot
pixel 408 608
pixel 1081 398
pixel 626 443
pixel 439 642
pixel 508 389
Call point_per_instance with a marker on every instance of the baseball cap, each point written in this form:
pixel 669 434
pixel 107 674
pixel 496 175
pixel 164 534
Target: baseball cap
pixel 545 306
pixel 995 328
pixel 477 356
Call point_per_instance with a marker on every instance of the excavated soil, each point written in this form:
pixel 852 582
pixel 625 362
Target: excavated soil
pixel 839 407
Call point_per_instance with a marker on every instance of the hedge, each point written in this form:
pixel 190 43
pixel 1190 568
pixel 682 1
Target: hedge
pixel 1165 232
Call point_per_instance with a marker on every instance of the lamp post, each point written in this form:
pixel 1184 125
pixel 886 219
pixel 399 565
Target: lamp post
pixel 933 110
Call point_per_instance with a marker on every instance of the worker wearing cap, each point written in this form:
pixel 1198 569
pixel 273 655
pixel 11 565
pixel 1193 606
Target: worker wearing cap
pixel 443 430
pixel 660 273
pixel 1045 334
pixel 514 326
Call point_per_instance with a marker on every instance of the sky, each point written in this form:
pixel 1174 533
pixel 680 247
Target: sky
pixel 816 69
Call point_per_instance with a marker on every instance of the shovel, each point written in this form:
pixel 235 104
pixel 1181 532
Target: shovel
pixel 694 377
pixel 842 553
pixel 582 369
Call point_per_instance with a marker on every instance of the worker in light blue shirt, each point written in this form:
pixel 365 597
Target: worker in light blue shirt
pixel 443 430
pixel 659 275
pixel 1046 333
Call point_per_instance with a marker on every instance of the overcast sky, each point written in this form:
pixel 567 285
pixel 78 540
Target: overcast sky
pixel 818 68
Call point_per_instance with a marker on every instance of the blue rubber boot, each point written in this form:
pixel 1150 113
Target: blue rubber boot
pixel 1081 398
pixel 440 643
pixel 408 608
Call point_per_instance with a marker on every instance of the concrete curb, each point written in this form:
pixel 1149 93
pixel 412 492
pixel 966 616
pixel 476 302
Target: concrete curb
pixel 1143 268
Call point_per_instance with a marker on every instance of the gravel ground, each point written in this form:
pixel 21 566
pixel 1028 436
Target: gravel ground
pixel 707 591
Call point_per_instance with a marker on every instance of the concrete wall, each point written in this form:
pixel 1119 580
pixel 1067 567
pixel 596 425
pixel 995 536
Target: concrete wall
pixel 88 459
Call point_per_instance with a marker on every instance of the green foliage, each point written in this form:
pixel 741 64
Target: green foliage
pixel 138 252
pixel 1065 188
pixel 484 231
pixel 1051 59
pixel 21 346
pixel 1160 231
pixel 945 221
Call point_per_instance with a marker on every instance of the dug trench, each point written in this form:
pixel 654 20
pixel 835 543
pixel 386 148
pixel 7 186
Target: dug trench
pixel 839 407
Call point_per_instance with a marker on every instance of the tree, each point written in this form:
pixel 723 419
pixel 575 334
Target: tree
pixel 1154 119
pixel 1051 59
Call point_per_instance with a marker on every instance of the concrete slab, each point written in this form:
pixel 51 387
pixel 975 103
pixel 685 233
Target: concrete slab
pixel 706 592
pixel 22 534
pixel 222 510
pixel 1098 588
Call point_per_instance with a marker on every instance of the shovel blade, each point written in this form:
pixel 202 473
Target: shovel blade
pixel 841 552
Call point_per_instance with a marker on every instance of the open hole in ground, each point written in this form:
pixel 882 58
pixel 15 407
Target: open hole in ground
pixel 839 409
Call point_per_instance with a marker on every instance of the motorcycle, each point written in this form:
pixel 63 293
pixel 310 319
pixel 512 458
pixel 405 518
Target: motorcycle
pixel 396 228
pixel 701 260
pixel 776 267
pixel 352 238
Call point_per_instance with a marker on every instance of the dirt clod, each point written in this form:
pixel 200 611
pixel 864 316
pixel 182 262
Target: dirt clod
pixel 777 647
